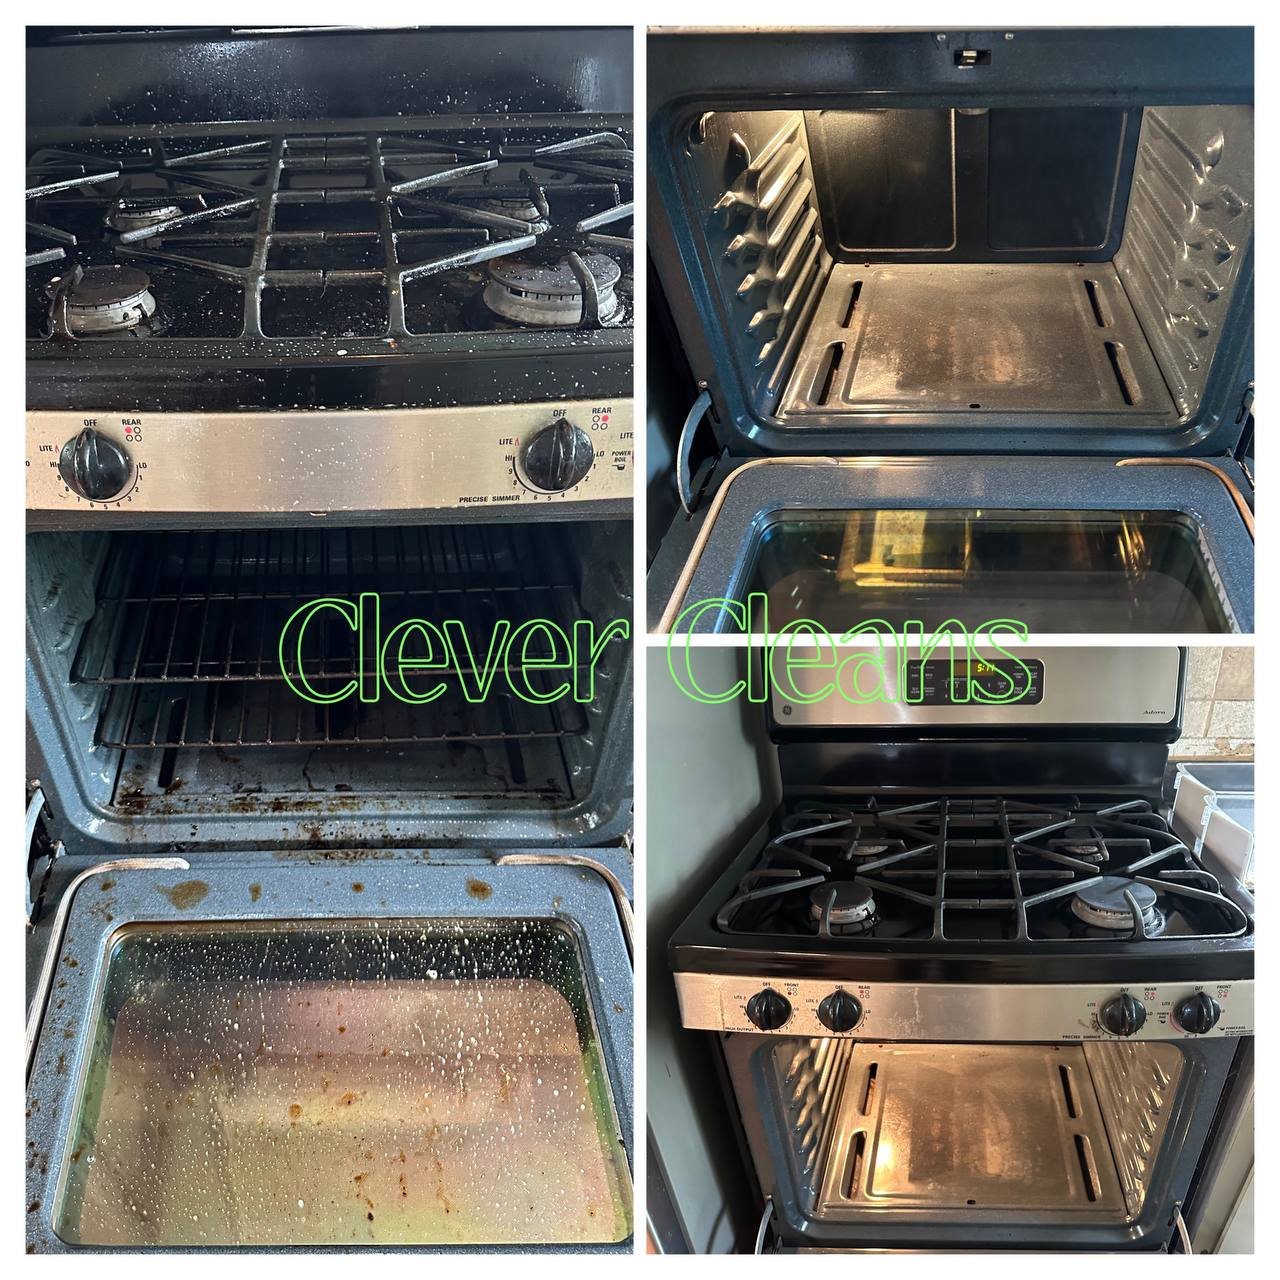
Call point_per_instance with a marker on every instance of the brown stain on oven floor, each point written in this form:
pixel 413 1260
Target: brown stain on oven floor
pixel 186 894
pixel 479 890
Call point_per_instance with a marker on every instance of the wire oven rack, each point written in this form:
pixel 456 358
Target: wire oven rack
pixel 186 634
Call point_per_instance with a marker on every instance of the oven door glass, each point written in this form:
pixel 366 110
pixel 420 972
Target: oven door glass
pixel 374 1083
pixel 1057 571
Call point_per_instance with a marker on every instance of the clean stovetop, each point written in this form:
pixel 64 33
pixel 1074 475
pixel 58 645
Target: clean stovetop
pixel 339 246
pixel 1025 881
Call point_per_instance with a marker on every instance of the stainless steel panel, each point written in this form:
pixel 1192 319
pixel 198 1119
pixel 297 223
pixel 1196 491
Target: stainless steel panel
pixel 969 1129
pixel 1013 1012
pixel 1115 686
pixel 322 461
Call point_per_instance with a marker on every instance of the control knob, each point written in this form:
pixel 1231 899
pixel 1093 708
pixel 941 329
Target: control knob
pixel 556 457
pixel 840 1011
pixel 94 466
pixel 1122 1015
pixel 768 1009
pixel 1197 1014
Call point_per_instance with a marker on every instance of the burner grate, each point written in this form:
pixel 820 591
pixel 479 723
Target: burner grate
pixel 370 214
pixel 993 870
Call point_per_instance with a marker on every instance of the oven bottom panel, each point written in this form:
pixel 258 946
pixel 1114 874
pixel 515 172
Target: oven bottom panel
pixel 227 1065
pixel 860 1144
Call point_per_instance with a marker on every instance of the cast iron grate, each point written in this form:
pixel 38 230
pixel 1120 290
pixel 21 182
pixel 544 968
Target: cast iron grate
pixel 993 870
pixel 274 234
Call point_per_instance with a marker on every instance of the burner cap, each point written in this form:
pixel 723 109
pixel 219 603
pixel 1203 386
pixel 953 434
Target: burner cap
pixel 867 849
pixel 1085 850
pixel 1102 903
pixel 518 207
pixel 540 288
pixel 134 215
pixel 108 300
pixel 850 904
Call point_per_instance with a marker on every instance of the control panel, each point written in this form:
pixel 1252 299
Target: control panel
pixel 325 461
pixel 960 1011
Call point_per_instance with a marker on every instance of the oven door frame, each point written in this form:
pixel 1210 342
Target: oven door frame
pixel 1215 496
pixel 589 896
pixel 1206 1080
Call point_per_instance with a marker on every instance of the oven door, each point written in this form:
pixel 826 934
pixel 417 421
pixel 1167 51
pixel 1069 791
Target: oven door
pixel 1086 1146
pixel 1163 545
pixel 259 1052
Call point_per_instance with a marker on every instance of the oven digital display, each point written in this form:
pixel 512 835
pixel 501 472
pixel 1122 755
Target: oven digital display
pixel 941 682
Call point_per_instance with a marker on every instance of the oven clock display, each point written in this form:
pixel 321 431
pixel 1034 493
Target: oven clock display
pixel 939 682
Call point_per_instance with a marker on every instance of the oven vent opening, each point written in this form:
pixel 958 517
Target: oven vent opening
pixel 1068 1093
pixel 854 294
pixel 1097 304
pixel 1123 370
pixel 857 1157
pixel 824 377
pixel 1088 1171
pixel 869 1090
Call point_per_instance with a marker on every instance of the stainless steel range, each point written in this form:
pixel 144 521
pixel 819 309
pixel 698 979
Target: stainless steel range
pixel 968 987
pixel 330 933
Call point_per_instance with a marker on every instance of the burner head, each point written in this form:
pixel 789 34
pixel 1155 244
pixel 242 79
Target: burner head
pixel 135 215
pixel 849 907
pixel 1102 903
pixel 865 850
pixel 539 288
pixel 108 300
pixel 521 207
pixel 1083 849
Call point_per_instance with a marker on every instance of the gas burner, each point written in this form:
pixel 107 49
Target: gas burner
pixel 540 288
pixel 521 207
pixel 1084 850
pixel 137 215
pixel 865 850
pixel 102 300
pixel 847 907
pixel 1102 904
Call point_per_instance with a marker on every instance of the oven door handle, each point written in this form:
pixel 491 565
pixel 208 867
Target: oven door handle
pixel 35 1016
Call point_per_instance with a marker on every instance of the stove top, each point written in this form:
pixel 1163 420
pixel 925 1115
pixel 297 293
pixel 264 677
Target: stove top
pixel 977 871
pixel 346 245
pixel 348 235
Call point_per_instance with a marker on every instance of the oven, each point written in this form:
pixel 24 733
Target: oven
pixel 965 987
pixel 961 313
pixel 329 677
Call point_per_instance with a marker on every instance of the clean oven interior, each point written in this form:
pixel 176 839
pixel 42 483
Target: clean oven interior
pixel 973 261
pixel 161 650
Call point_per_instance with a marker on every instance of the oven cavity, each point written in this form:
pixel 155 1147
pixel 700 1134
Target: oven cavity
pixel 162 653
pixel 891 263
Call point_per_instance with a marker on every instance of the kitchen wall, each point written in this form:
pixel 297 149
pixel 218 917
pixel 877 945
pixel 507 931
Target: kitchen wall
pixel 1217 720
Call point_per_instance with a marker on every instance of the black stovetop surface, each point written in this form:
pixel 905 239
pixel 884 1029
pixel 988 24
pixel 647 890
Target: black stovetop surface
pixel 967 887
pixel 304 264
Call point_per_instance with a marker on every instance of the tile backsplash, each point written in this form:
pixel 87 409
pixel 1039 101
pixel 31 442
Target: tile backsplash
pixel 1217 719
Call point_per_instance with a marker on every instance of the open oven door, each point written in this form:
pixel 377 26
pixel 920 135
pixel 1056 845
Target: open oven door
pixel 259 1051
pixel 1153 545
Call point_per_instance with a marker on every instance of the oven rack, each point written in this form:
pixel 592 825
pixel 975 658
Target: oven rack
pixel 395 209
pixel 974 869
pixel 240 715
pixel 198 606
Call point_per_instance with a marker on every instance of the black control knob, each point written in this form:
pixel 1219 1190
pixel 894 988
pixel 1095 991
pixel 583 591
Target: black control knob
pixel 1197 1014
pixel 1123 1015
pixel 840 1011
pixel 557 457
pixel 94 466
pixel 768 1009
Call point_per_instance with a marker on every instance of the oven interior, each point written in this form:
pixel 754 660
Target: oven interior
pixel 859 1136
pixel 971 261
pixel 161 651
pixel 376 1083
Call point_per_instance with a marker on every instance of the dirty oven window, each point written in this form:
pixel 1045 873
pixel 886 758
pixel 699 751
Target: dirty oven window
pixel 379 1083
